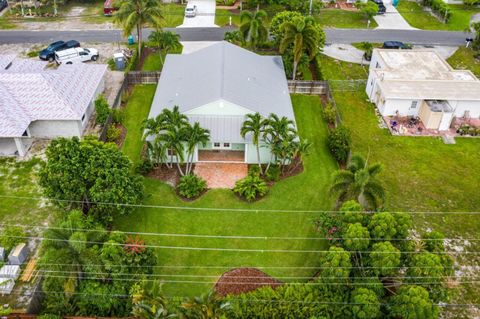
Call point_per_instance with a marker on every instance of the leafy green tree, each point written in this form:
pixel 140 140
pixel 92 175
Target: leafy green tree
pixel 359 182
pixel 404 224
pixel 11 236
pixel 165 41
pixel 252 27
pixel 339 141
pixel 413 302
pixel 276 25
pixel 102 109
pixel 137 14
pixel 383 226
pixel 353 212
pixel 149 301
pixel 336 266
pixel 385 258
pixel 369 9
pixel 254 125
pixel 207 306
pixel 476 39
pixel 434 241
pixel 356 237
pixel 93 176
pixel 427 265
pixel 304 38
pixel 365 304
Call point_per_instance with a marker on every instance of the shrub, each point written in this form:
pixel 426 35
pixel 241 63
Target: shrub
pixel 191 186
pixel 339 140
pixel 273 173
pixel 254 170
pixel 11 236
pixel 103 110
pixel 251 187
pixel 111 64
pixel 143 167
pixel 329 114
pixel 118 116
pixel 277 22
pixel 113 133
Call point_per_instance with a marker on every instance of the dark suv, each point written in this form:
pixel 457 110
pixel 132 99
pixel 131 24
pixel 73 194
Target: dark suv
pixel 395 45
pixel 3 4
pixel 48 53
pixel 380 5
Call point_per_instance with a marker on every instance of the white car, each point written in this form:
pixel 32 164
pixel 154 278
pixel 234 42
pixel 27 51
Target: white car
pixel 76 55
pixel 191 11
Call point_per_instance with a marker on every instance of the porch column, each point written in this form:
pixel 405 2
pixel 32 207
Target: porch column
pixel 20 147
pixel 245 152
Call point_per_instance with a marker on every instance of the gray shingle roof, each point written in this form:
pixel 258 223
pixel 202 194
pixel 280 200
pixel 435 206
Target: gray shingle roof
pixel 223 71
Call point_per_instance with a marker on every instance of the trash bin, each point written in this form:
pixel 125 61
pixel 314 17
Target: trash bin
pixel 119 59
pixel 395 3
pixel 131 40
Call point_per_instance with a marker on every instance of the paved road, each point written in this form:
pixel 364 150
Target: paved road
pixel 216 34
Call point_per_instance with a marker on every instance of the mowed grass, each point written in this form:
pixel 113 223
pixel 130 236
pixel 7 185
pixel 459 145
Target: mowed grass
pixel 19 179
pixel 417 18
pixel 463 59
pixel 306 191
pixel 153 62
pixel 222 18
pixel 337 18
pixel 173 14
pixel 136 111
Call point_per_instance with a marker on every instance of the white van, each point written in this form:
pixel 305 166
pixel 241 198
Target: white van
pixel 76 55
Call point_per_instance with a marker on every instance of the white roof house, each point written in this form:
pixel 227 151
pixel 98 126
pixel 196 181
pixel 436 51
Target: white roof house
pixel 217 86
pixel 36 101
pixel 416 82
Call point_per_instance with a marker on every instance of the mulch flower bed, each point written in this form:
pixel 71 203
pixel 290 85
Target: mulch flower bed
pixel 121 139
pixel 170 176
pixel 242 280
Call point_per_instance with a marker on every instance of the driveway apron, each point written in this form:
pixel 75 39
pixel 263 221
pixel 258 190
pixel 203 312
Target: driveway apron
pixel 392 20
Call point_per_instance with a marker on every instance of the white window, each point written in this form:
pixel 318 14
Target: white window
pixel 222 146
pixel 413 105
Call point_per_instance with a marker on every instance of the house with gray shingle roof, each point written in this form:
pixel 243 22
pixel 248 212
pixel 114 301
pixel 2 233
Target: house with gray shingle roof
pixel 40 102
pixel 218 86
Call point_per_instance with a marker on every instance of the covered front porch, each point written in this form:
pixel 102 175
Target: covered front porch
pixel 221 156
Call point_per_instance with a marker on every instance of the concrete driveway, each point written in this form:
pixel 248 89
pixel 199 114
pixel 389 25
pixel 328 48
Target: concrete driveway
pixel 392 20
pixel 192 46
pixel 205 17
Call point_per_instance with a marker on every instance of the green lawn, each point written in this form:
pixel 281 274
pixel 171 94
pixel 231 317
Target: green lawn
pixel 154 63
pixel 222 18
pixel 337 18
pixel 305 191
pixel 337 70
pixel 463 59
pixel 173 14
pixel 416 17
pixel 20 179
pixel 136 111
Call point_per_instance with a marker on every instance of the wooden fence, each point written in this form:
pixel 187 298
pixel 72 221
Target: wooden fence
pixel 142 77
pixel 308 87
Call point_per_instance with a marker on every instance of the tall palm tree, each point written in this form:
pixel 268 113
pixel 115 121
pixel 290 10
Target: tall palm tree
pixel 254 125
pixel 252 27
pixel 165 41
pixel 303 36
pixel 195 134
pixel 276 131
pixel 174 126
pixel 137 14
pixel 207 306
pixel 358 182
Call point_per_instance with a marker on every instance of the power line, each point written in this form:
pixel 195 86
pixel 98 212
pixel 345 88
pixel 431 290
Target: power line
pixel 231 236
pixel 248 210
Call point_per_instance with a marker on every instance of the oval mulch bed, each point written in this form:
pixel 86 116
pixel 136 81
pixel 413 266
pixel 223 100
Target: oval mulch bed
pixel 241 280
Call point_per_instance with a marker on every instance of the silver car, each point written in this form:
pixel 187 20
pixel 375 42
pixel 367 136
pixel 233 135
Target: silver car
pixel 191 11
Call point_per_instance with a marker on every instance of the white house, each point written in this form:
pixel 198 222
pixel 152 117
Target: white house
pixel 421 83
pixel 40 102
pixel 218 86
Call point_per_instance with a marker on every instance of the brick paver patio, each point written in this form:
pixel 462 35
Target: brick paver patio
pixel 221 175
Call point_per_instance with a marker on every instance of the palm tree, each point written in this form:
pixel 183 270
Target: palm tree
pixel 253 28
pixel 194 135
pixel 174 126
pixel 157 151
pixel 358 182
pixel 305 38
pixel 136 14
pixel 207 306
pixel 254 124
pixel 150 302
pixel 165 41
pixel 276 131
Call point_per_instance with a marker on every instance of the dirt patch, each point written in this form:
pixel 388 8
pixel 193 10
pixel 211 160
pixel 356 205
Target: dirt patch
pixel 170 176
pixel 145 53
pixel 242 280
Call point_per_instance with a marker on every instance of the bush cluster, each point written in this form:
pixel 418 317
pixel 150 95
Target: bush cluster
pixel 339 141
pixel 468 130
pixel 102 109
pixel 329 114
pixel 251 187
pixel 440 8
pixel 191 186
pixel 113 133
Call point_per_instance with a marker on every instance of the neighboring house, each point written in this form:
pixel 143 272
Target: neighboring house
pixel 421 83
pixel 40 102
pixel 218 86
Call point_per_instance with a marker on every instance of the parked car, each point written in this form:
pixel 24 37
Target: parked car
pixel 191 11
pixel 395 45
pixel 76 55
pixel 381 7
pixel 109 7
pixel 3 4
pixel 48 53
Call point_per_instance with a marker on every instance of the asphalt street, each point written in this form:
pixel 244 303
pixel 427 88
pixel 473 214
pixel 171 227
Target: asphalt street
pixel 421 37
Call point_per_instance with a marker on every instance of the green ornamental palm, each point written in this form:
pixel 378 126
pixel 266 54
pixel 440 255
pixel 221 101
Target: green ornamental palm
pixel 194 135
pixel 358 182
pixel 254 125
pixel 136 14
pixel 165 41
pixel 276 131
pixel 207 306
pixel 305 38
pixel 149 302
pixel 252 27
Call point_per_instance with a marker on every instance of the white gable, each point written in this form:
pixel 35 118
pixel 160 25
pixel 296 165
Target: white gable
pixel 220 107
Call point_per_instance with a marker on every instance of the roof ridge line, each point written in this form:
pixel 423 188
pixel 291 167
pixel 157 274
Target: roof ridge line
pixel 222 71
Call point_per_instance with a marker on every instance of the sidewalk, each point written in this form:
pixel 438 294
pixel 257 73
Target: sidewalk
pixel 392 20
